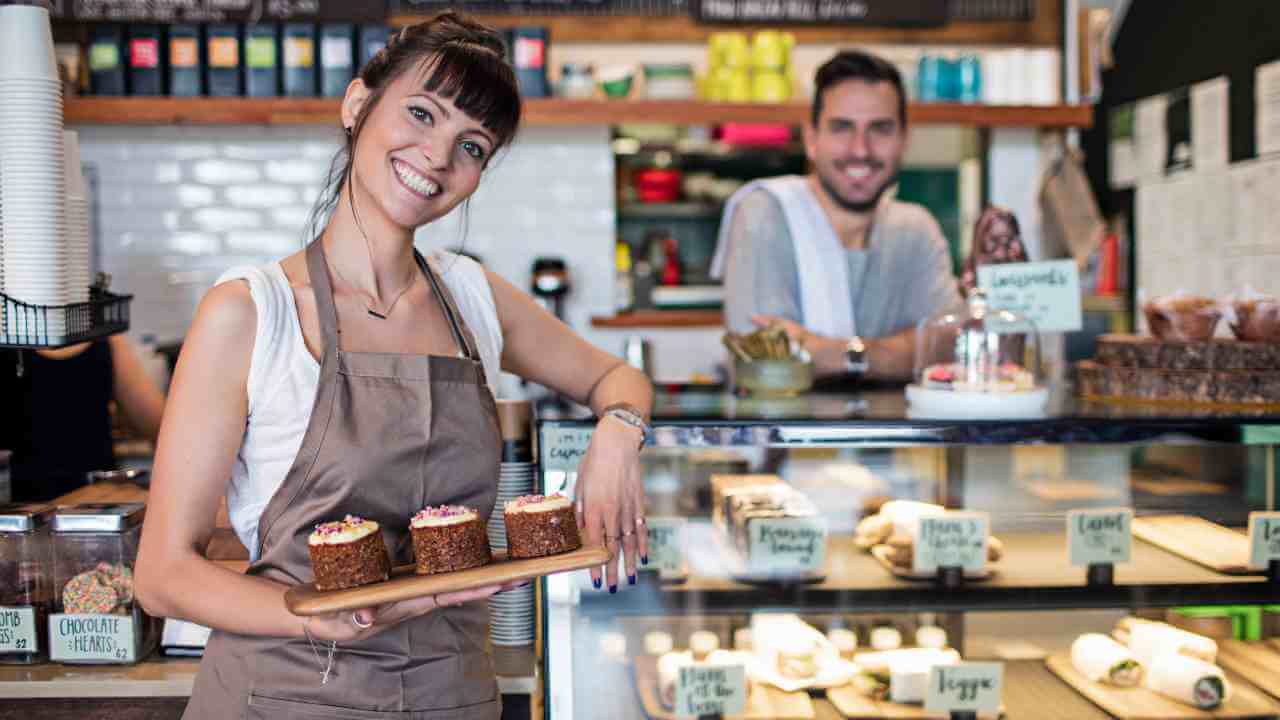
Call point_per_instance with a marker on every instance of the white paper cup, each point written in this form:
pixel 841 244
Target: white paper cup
pixel 26 43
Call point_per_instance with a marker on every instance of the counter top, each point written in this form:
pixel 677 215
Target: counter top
pixel 173 677
pixel 687 416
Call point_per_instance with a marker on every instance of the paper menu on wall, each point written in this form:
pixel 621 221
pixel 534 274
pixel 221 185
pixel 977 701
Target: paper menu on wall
pixel 1266 95
pixel 1210 131
pixel 1150 137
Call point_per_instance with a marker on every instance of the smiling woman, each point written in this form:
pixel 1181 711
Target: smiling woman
pixel 353 379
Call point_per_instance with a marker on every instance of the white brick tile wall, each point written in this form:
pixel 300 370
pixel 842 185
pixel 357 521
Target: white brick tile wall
pixel 177 206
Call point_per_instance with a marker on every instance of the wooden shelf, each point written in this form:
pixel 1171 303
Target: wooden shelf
pixel 1044 30
pixel 543 111
pixel 661 318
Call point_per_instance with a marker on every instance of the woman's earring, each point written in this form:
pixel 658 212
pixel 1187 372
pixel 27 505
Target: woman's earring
pixel 347 130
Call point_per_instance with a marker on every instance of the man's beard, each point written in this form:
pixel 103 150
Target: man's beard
pixel 858 207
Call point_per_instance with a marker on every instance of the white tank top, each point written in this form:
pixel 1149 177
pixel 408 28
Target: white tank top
pixel 283 378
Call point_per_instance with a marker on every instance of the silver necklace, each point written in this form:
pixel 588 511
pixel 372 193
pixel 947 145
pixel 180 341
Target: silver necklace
pixel 369 308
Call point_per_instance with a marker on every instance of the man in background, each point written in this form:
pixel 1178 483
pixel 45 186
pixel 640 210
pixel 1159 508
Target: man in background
pixel 845 268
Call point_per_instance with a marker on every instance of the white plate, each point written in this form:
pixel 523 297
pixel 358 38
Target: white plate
pixel 965 405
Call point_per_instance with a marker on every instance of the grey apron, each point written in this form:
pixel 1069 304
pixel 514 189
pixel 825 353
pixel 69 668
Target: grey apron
pixel 389 434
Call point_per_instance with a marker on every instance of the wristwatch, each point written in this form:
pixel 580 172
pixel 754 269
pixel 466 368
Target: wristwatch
pixel 855 356
pixel 630 415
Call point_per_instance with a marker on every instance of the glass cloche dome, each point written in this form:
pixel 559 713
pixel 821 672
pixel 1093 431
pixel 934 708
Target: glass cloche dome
pixel 978 362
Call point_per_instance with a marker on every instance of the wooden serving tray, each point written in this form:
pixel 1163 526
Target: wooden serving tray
pixel 764 702
pixel 856 706
pixel 1198 540
pixel 881 554
pixel 1139 703
pixel 405 584
pixel 1257 662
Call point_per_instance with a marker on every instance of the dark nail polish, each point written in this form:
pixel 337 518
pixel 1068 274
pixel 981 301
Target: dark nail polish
pixel 596 582
pixel 644 559
pixel 613 589
pixel 631 579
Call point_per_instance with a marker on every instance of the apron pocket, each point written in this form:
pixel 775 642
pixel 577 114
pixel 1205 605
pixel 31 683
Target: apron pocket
pixel 269 708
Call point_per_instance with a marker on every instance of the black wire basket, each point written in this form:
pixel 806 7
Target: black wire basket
pixel 23 325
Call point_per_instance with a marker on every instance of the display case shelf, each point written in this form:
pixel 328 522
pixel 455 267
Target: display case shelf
pixel 1033 575
pixel 545 111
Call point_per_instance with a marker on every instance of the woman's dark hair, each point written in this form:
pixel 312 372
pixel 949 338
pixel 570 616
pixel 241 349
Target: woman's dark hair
pixel 459 59
pixel 856 65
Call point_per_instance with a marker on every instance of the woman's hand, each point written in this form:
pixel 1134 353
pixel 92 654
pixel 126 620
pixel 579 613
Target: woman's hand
pixel 349 625
pixel 610 498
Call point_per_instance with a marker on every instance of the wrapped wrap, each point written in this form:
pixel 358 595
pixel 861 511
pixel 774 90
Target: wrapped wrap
pixel 1186 679
pixel 1148 640
pixel 1102 659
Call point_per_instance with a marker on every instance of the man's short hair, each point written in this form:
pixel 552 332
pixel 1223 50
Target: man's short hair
pixel 856 65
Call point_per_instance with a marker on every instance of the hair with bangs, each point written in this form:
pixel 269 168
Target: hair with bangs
pixel 455 57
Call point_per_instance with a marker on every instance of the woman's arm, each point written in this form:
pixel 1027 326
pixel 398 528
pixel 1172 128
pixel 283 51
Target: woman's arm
pixel 538 347
pixel 136 396
pixel 203 426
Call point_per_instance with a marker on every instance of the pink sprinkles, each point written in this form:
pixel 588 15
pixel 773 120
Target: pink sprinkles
pixel 534 499
pixel 334 527
pixel 442 512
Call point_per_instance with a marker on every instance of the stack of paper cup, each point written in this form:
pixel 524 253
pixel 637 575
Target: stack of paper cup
pixel 511 613
pixel 77 210
pixel 32 183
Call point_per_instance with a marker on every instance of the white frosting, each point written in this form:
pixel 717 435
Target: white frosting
pixel 886 638
pixel 422 521
pixel 843 639
pixel 340 532
pixel 551 502
pixel 703 642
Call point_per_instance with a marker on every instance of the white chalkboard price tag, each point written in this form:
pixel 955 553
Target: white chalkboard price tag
pixel 564 447
pixel 967 688
pixel 18 630
pixel 704 689
pixel 787 545
pixel 1099 538
pixel 954 540
pixel 91 638
pixel 1264 542
pixel 666 546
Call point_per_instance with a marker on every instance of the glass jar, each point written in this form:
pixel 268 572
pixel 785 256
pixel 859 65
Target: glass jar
pixel 26 590
pixel 980 362
pixel 97 620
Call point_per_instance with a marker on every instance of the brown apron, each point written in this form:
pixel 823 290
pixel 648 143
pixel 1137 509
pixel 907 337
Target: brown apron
pixel 389 434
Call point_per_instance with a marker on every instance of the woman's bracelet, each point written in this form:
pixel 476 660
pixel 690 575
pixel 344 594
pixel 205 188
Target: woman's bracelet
pixel 630 415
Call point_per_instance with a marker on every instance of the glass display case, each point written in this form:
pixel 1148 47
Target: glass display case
pixel 790 537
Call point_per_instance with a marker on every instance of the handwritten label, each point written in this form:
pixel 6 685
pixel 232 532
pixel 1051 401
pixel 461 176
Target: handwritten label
pixel 797 544
pixel 1264 539
pixel 666 545
pixel 1046 293
pixel 18 630
pixel 704 689
pixel 967 687
pixel 1100 536
pixel 564 447
pixel 91 638
pixel 956 539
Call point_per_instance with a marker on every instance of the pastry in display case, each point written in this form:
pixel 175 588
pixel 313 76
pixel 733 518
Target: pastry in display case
pixel 1172 629
pixel 977 363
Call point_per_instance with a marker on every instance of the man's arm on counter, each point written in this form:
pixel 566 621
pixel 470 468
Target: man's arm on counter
pixel 760 273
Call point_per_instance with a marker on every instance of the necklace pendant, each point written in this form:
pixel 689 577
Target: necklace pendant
pixel 376 314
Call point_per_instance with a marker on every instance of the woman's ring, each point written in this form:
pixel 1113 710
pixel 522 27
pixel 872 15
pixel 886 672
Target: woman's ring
pixel 639 521
pixel 628 533
pixel 355 620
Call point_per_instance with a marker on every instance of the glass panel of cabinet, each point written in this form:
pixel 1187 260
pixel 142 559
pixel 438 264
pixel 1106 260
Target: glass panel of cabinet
pixel 845 563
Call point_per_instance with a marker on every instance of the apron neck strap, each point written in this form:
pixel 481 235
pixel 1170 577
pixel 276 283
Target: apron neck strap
pixel 460 333
pixel 322 286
